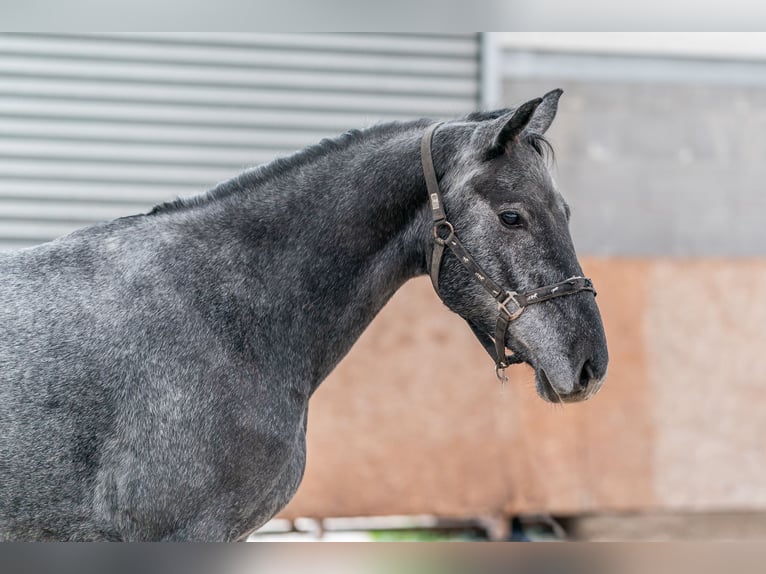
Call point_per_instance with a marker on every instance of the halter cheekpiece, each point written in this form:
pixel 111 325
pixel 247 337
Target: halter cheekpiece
pixel 510 304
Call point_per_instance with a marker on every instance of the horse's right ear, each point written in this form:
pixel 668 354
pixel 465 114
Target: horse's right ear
pixel 507 128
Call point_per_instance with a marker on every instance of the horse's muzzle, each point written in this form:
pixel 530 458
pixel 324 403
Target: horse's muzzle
pixel 578 385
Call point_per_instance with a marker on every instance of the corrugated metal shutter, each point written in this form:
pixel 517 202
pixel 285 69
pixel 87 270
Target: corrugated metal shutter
pixel 98 126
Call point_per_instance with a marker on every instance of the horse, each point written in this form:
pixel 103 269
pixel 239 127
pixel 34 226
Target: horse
pixel 156 370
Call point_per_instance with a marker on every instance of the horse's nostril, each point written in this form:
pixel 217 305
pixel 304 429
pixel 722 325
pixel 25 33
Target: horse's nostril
pixel 586 375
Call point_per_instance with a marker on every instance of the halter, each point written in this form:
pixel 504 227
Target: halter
pixel 510 304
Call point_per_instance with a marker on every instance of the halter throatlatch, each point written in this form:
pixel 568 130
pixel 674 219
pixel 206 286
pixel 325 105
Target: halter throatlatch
pixel 510 304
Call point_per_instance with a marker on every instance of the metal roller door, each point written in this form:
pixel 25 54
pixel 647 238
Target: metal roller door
pixel 93 127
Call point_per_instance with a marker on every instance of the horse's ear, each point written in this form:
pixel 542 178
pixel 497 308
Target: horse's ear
pixel 545 112
pixel 507 128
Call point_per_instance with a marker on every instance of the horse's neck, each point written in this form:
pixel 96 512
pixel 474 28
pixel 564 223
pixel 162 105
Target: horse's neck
pixel 326 245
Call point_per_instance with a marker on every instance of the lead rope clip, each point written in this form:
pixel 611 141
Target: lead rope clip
pixel 501 374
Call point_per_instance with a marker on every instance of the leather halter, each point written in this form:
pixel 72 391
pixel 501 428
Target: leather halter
pixel 510 304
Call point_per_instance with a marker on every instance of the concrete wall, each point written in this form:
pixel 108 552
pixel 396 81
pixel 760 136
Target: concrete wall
pixel 658 169
pixel 718 46
pixel 665 182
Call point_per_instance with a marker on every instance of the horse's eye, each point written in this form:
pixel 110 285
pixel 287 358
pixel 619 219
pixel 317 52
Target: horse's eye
pixel 510 218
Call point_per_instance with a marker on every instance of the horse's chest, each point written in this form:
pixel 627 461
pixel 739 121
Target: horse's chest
pixel 272 475
pixel 228 482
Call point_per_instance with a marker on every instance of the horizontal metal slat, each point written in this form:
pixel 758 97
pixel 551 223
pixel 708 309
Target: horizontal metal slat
pixel 195 178
pixel 201 75
pixel 64 211
pixel 347 61
pixel 13 244
pixel 456 46
pixel 404 106
pixel 88 191
pixel 34 231
pixel 145 154
pixel 178 135
pixel 185 115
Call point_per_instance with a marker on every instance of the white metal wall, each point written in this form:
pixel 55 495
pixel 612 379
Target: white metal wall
pixel 98 126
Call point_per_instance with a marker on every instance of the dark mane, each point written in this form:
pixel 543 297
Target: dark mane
pixel 265 172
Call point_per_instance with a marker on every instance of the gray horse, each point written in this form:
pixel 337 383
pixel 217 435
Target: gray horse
pixel 155 371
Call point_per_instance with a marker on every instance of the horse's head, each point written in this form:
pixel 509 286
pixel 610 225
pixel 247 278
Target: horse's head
pixel 509 215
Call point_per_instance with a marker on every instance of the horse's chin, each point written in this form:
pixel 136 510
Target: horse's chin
pixel 545 389
pixel 543 386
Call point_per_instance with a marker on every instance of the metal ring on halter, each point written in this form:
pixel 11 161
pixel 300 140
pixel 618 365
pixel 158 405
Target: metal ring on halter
pixel 502 306
pixel 500 372
pixel 441 225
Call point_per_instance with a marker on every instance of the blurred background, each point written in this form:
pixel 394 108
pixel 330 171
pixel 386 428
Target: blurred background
pixel 661 151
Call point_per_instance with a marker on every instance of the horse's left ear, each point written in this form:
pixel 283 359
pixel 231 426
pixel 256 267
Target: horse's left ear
pixel 507 128
pixel 535 116
pixel 545 113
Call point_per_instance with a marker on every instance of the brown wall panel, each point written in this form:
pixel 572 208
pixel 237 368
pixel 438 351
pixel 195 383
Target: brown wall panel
pixel 707 373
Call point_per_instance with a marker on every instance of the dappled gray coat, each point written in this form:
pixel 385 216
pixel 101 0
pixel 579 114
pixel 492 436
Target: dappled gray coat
pixel 155 370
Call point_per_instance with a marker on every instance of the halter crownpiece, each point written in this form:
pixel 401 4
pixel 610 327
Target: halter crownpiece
pixel 510 304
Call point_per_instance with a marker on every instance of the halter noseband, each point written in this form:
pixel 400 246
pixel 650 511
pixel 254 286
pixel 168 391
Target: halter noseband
pixel 510 304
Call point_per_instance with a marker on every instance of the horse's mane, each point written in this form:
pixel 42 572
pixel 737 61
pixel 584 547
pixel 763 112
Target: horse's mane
pixel 265 172
pixel 268 171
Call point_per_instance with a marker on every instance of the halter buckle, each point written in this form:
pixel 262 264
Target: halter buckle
pixel 500 373
pixel 503 306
